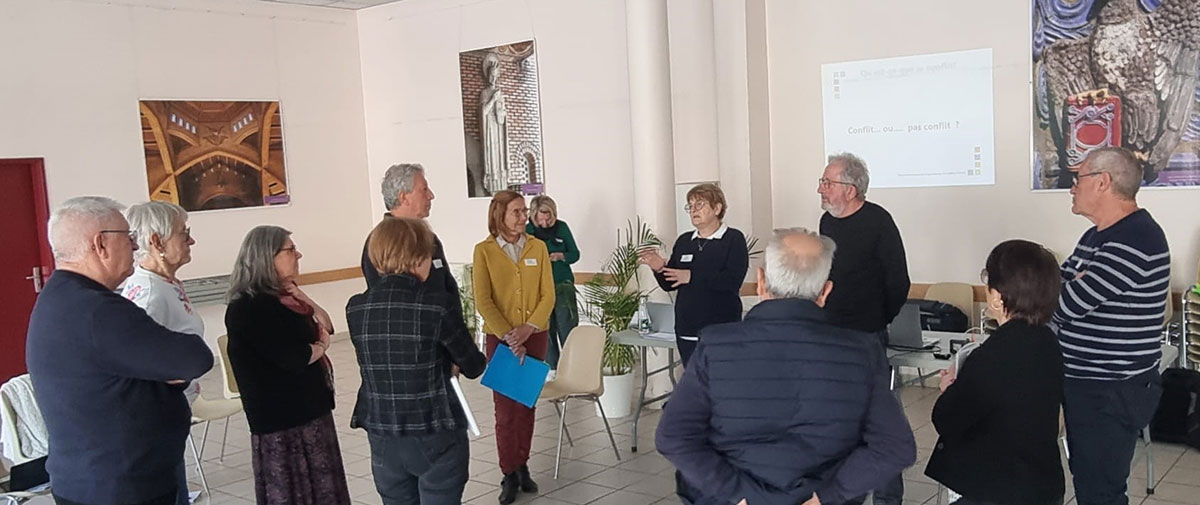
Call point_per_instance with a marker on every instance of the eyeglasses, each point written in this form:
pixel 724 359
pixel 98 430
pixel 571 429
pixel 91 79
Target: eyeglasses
pixel 826 183
pixel 521 212
pixel 187 233
pixel 697 205
pixel 1080 176
pixel 291 249
pixel 128 233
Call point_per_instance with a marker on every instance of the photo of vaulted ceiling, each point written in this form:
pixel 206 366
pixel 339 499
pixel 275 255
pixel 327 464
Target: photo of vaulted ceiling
pixel 206 155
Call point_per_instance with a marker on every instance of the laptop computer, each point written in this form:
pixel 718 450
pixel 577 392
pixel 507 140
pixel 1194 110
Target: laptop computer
pixel 905 330
pixel 662 317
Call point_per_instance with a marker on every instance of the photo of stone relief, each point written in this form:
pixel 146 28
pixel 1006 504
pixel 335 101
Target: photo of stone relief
pixel 502 125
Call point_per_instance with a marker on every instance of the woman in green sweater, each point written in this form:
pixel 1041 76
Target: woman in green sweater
pixel 544 224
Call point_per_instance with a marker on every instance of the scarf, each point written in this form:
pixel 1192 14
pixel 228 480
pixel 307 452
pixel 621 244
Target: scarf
pixel 300 307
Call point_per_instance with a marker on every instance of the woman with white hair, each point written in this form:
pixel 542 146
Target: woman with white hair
pixel 164 245
pixel 278 340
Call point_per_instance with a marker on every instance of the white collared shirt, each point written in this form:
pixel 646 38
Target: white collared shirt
pixel 512 250
pixel 715 236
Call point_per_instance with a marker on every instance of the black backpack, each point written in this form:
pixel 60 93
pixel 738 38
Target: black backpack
pixel 1177 419
pixel 938 316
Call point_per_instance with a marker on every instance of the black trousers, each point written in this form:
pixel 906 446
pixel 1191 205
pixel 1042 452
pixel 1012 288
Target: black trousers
pixel 1104 420
pixel 166 499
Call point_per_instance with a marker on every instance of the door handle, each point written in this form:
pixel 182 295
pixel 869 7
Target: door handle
pixel 37 279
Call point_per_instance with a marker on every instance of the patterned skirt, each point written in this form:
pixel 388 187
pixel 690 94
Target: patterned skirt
pixel 300 466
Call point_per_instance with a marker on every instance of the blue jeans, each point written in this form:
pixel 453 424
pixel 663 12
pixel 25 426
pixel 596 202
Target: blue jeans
pixel 420 469
pixel 1104 420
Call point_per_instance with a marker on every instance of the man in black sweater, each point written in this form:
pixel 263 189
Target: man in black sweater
pixel 870 273
pixel 108 380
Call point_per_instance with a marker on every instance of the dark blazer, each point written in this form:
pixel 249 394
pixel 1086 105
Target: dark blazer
pixel 100 368
pixel 406 336
pixel 998 422
pixel 783 405
pixel 269 351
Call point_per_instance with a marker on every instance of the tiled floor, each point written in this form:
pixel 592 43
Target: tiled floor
pixel 590 473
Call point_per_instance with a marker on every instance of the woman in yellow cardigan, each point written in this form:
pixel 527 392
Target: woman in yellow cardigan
pixel 514 291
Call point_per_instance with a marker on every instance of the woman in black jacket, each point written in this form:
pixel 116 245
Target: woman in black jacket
pixel 278 340
pixel 997 418
pixel 707 266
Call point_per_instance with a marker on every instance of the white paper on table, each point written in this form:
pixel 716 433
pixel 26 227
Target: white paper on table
pixel 462 400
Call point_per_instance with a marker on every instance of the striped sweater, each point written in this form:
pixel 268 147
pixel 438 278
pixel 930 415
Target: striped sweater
pixel 1110 312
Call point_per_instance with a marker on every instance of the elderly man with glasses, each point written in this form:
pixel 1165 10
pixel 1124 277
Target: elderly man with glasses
pixel 870 271
pixel 108 379
pixel 1109 318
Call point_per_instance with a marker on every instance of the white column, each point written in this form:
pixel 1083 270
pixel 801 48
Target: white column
pixel 653 159
pixel 650 113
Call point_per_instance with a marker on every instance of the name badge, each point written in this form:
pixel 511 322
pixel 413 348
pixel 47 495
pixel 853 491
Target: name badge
pixel 531 262
pixel 687 258
pixel 437 263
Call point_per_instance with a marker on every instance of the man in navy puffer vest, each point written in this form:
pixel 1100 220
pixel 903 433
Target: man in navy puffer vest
pixel 785 408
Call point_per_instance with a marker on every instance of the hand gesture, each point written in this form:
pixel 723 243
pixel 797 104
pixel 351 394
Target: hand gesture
pixel 558 256
pixel 651 258
pixel 677 276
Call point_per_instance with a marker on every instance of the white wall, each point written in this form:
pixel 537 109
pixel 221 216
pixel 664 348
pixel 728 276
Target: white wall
pixel 947 231
pixel 75 69
pixel 414 110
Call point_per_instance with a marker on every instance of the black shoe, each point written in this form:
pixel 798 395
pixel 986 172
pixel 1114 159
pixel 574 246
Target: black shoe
pixel 509 487
pixel 527 483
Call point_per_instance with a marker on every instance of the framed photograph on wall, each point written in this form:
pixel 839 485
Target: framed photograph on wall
pixel 208 155
pixel 502 121
pixel 1109 73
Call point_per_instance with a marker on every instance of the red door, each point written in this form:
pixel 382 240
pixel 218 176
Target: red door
pixel 25 258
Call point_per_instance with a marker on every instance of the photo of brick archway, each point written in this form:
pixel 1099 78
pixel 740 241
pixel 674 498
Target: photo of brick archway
pixel 502 125
pixel 208 155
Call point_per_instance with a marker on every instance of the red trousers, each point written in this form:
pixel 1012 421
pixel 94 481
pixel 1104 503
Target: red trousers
pixel 514 422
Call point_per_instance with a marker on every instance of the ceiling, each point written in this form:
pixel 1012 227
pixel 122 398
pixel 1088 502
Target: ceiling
pixel 337 4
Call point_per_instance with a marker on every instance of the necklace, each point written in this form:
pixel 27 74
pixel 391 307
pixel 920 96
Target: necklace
pixel 701 243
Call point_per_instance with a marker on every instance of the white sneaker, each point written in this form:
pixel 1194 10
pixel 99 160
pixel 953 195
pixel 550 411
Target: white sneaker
pixel 550 376
pixel 192 496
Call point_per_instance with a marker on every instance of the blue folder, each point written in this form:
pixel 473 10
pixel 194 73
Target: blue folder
pixel 521 382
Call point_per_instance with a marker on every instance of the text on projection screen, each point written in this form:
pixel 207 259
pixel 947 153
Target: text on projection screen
pixel 915 120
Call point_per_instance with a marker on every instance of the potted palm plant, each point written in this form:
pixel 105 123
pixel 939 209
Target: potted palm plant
pixel 610 299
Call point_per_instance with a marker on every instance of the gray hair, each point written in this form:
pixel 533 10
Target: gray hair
pixel 794 274
pixel 150 218
pixel 73 224
pixel 1120 164
pixel 854 171
pixel 254 270
pixel 399 179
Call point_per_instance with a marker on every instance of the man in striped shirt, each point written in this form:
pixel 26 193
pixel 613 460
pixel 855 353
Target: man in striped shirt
pixel 1109 319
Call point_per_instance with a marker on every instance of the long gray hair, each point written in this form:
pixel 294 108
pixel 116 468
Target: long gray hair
pixel 254 271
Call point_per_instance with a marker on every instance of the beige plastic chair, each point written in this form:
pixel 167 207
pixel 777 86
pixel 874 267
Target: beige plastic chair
pixel 227 378
pixel 579 376
pixel 205 412
pixel 958 294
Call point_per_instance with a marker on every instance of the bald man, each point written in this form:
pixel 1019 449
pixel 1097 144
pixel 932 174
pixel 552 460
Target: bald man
pixel 109 380
pixel 783 407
